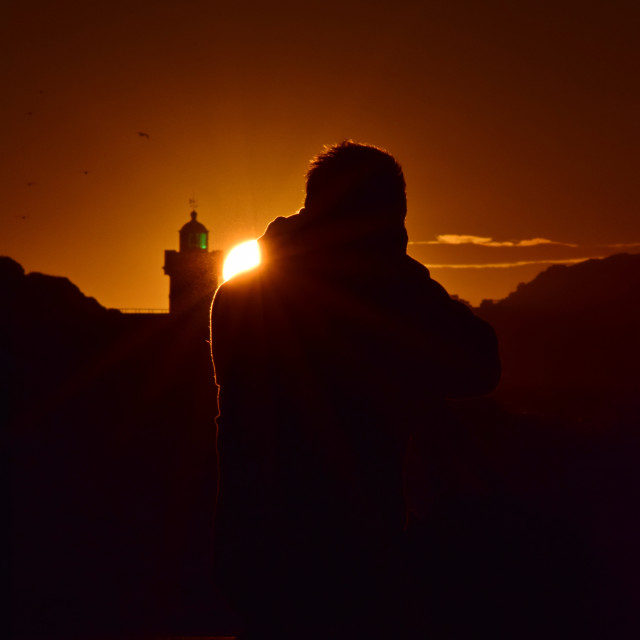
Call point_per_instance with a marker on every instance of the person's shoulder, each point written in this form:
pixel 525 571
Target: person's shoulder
pixel 240 287
pixel 240 281
pixel 415 268
pixel 419 276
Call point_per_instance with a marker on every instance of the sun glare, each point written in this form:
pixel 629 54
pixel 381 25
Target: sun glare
pixel 242 257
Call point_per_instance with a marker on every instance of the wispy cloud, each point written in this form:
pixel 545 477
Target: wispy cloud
pixel 508 265
pixel 458 239
pixel 453 238
pixel 623 245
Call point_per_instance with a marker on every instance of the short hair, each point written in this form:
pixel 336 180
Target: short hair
pixel 350 179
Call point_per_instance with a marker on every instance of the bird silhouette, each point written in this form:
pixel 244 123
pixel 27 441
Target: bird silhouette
pixel 31 184
pixel 142 134
pixel 85 171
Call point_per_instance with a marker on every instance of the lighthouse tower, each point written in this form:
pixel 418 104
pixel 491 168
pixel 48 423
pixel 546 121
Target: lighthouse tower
pixel 194 271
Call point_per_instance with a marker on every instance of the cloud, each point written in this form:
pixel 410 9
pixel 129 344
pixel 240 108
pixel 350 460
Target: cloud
pixel 507 265
pixel 457 239
pixel 453 238
pixel 623 245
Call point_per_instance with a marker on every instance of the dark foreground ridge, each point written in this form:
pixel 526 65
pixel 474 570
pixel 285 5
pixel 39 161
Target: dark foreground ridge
pixel 113 467
pixel 570 341
pixel 529 521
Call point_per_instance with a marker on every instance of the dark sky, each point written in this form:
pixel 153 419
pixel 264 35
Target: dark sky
pixel 516 124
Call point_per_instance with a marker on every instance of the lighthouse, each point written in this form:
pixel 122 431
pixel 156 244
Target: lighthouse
pixel 193 270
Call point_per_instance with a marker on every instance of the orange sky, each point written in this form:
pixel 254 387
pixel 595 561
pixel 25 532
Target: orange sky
pixel 513 122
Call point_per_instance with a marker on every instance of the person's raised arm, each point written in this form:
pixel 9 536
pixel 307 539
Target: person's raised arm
pixel 462 348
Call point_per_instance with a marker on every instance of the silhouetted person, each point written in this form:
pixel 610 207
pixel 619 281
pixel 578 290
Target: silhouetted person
pixel 328 356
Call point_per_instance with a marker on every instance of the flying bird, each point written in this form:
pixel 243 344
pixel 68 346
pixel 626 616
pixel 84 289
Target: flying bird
pixel 142 134
pixel 85 171
pixel 31 184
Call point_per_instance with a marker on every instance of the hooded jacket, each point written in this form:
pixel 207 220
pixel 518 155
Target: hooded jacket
pixel 328 356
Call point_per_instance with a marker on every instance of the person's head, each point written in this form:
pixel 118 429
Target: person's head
pixel 352 180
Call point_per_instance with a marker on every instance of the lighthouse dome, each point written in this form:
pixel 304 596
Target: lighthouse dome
pixel 194 236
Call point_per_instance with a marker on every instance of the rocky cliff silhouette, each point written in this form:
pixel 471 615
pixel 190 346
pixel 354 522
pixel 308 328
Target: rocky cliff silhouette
pixel 570 340
pixel 112 460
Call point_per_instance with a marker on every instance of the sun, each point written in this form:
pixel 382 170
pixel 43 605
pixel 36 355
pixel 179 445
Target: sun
pixel 242 257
